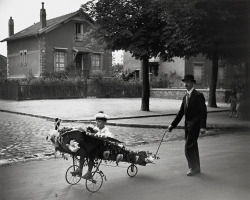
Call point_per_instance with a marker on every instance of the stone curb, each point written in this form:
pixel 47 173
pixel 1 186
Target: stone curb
pixel 88 120
pixel 212 126
pixel 209 127
pixel 26 114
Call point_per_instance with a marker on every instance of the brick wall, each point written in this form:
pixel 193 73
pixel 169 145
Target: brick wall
pixel 221 94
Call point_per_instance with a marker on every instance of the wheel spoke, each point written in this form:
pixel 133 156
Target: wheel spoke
pixel 132 170
pixel 94 184
pixel 70 178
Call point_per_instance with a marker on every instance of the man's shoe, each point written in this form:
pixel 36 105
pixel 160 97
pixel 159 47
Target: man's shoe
pixel 192 172
pixel 87 176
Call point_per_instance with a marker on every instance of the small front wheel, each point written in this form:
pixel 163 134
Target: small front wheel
pixel 132 170
pixel 71 178
pixel 94 184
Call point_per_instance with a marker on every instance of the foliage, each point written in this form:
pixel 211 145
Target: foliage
pixel 205 26
pixel 168 28
pixel 131 25
pixel 164 80
pixel 116 70
pixel 8 88
pixel 113 87
pixel 218 29
pixel 48 81
pixel 56 75
pixel 160 81
pixel 97 73
pixel 134 26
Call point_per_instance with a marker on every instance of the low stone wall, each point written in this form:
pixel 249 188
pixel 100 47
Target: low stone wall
pixel 222 95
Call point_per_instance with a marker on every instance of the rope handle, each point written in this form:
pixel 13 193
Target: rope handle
pixel 162 140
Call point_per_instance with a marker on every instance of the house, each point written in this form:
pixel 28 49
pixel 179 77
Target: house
pixel 58 45
pixel 175 70
pixel 228 75
pixel 3 66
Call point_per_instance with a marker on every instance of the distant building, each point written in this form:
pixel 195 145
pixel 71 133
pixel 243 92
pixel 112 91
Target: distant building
pixel 199 66
pixel 3 66
pixel 58 45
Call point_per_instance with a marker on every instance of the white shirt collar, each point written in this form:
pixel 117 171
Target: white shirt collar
pixel 190 91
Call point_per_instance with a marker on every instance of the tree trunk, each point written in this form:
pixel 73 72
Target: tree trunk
pixel 213 82
pixel 247 78
pixel 145 85
pixel 247 92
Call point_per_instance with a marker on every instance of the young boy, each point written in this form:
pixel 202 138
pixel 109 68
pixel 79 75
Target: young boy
pixel 101 130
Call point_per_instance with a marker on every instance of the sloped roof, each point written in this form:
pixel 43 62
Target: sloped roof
pixel 36 29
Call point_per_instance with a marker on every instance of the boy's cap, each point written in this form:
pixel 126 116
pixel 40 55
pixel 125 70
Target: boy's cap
pixel 101 116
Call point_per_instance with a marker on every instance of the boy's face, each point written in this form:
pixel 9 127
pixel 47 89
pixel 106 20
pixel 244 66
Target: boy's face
pixel 100 123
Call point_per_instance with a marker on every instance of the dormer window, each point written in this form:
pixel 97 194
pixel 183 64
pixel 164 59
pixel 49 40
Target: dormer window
pixel 79 32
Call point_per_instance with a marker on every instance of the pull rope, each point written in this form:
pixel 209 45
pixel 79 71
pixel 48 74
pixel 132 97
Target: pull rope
pixel 162 140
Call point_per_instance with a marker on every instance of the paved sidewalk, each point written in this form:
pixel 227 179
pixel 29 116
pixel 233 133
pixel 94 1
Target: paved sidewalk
pixel 122 112
pixel 225 158
pixel 225 175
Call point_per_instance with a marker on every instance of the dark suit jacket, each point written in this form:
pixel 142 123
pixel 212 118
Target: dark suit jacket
pixel 195 113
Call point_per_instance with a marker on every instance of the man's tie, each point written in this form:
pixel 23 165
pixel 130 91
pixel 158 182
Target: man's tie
pixel 187 99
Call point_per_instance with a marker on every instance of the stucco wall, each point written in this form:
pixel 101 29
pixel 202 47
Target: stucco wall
pixel 175 71
pixel 130 63
pixel 176 66
pixel 32 65
pixel 63 37
pixel 189 68
pixel 221 94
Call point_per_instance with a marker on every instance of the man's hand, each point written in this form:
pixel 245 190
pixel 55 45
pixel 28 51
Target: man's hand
pixel 98 135
pixel 170 128
pixel 202 131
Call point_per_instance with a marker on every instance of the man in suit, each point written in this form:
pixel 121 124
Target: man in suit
pixel 194 108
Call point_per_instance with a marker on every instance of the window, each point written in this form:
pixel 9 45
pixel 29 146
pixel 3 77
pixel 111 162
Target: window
pixel 23 57
pixel 79 31
pixel 60 61
pixel 96 61
pixel 79 28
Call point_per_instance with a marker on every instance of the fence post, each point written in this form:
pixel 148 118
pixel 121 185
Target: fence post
pixel 18 91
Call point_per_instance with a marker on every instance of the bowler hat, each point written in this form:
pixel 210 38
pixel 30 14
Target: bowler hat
pixel 189 77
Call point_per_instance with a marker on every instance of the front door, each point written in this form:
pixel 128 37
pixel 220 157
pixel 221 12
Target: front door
pixel 79 64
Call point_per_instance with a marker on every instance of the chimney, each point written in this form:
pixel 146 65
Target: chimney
pixel 43 16
pixel 11 27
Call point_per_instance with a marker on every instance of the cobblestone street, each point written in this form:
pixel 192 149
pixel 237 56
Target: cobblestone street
pixel 23 137
pixel 24 125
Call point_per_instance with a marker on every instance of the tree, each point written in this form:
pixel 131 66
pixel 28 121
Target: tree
pixel 134 26
pixel 219 29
